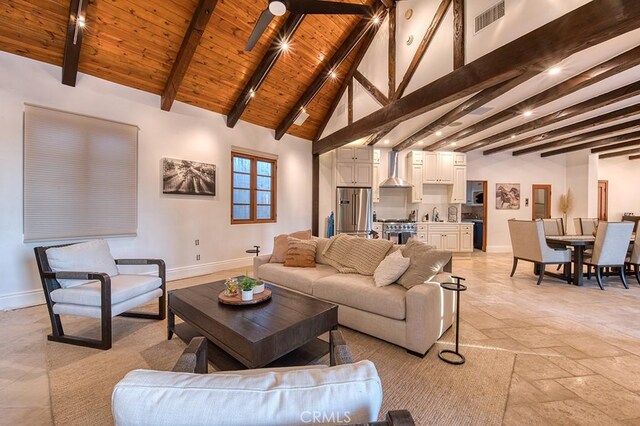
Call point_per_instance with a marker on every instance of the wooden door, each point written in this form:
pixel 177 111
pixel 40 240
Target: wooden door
pixel 541 202
pixel 603 200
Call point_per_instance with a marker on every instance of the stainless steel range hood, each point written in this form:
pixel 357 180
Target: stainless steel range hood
pixel 393 181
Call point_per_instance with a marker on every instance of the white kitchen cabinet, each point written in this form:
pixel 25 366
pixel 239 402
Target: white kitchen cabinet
pixel 376 156
pixel 459 188
pixel 375 188
pixel 415 158
pixel 435 239
pixel 466 238
pixel 451 241
pixel 377 226
pixel 361 154
pixel 459 159
pixel 354 166
pixel 437 167
pixel 415 172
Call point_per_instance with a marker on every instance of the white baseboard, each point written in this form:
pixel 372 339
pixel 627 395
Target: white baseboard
pixel 499 249
pixel 209 268
pixel 24 299
pixel 21 299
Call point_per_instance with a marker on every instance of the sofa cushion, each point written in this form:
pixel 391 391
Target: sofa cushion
pixel 280 244
pixel 360 292
pixel 300 253
pixel 299 279
pixel 391 268
pixel 89 256
pixel 350 393
pixel 123 287
pixel 426 263
pixel 351 254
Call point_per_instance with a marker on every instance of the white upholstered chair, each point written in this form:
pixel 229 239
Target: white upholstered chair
pixel 83 279
pixel 610 249
pixel 529 243
pixel 634 258
pixel 585 225
pixel 553 227
pixel 343 393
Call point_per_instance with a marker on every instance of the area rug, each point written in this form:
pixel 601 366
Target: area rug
pixel 436 393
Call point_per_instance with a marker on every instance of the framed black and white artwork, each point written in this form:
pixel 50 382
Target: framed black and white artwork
pixel 507 196
pixel 188 177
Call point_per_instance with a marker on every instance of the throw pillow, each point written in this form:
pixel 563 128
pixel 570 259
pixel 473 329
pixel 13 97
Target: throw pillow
pixel 280 246
pixel 322 244
pixel 301 253
pixel 390 269
pixel 90 256
pixel 426 263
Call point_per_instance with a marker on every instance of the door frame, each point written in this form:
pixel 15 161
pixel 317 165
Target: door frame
pixel 485 228
pixel 606 200
pixel 533 199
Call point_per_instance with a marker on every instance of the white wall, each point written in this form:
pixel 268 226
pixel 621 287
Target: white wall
pixel 623 176
pixel 167 224
pixel 525 170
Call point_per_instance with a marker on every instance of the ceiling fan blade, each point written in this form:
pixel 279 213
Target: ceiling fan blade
pixel 318 7
pixel 263 22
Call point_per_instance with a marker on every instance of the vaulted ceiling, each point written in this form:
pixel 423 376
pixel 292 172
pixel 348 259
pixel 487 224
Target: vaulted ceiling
pixel 135 43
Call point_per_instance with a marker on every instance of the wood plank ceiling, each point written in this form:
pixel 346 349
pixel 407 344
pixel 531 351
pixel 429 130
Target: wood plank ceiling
pixel 135 43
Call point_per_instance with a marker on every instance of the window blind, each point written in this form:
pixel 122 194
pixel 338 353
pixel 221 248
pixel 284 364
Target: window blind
pixel 80 176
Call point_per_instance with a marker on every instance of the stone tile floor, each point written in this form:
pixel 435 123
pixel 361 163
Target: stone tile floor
pixel 577 348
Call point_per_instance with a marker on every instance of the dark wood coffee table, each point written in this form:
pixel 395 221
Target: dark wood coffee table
pixel 255 335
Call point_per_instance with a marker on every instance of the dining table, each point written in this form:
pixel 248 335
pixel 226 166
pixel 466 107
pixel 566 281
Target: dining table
pixel 579 243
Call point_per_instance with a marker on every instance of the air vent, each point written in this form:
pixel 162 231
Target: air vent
pixel 480 111
pixel 489 16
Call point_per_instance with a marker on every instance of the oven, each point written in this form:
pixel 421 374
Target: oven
pixel 399 232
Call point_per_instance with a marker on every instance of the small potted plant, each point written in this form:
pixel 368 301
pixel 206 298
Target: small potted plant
pixel 259 287
pixel 246 284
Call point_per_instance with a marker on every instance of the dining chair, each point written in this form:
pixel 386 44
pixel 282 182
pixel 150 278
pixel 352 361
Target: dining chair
pixel 634 258
pixel 610 249
pixel 553 227
pixel 529 243
pixel 585 226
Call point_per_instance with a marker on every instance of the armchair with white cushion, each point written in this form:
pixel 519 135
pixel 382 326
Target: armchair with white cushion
pixel 343 393
pixel 83 279
pixel 610 249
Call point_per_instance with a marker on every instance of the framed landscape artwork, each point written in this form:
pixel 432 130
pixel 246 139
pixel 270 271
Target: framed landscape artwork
pixel 507 196
pixel 188 177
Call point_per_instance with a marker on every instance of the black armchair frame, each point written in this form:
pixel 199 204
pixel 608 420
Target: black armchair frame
pixel 194 360
pixel 50 283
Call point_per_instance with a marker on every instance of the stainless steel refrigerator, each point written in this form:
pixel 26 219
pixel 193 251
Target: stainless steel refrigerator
pixel 354 211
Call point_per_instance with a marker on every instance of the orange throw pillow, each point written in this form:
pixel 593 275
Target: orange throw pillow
pixel 280 244
pixel 301 253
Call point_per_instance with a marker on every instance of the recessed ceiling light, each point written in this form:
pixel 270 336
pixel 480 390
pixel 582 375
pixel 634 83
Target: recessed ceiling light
pixel 81 21
pixel 386 141
pixel 252 93
pixel 333 74
pixel 513 136
pixel 453 144
pixel 527 113
pixel 554 70
pixel 438 133
pixel 376 20
pixel 421 143
pixel 284 46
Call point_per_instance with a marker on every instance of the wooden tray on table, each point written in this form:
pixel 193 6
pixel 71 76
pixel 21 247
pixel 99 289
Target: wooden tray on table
pixel 237 299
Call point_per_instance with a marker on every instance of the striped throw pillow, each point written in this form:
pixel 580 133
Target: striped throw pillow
pixel 301 253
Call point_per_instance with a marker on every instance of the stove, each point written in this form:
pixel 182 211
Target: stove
pixel 399 231
pixel 397 221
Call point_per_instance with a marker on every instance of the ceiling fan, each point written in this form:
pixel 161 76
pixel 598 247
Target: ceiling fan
pixel 306 7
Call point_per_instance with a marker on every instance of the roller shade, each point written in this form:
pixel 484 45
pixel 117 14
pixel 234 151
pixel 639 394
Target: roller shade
pixel 80 176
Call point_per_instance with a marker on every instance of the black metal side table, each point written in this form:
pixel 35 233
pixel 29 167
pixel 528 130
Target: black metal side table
pixel 255 250
pixel 458 358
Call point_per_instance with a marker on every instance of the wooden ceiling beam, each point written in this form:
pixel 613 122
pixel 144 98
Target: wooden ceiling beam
pixel 593 144
pixel 285 33
pixel 585 79
pixel 589 105
pixel 190 42
pixel 458 34
pixel 610 117
pixel 391 61
pixel 460 111
pixel 620 145
pixel 537 50
pixel 364 26
pixel 422 48
pixel 73 42
pixel 350 102
pixel 366 42
pixel 634 157
pixel 621 153
pixel 371 88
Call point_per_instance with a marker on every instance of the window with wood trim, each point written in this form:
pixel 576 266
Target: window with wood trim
pixel 253 189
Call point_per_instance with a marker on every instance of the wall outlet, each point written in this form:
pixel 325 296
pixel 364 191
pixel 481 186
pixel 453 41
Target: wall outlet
pixel 197 257
pixel 526 202
pixel 197 242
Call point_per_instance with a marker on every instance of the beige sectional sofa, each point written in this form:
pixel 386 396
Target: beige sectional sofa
pixel 413 319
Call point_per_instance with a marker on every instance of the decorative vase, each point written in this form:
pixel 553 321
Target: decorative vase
pixel 259 288
pixel 247 295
